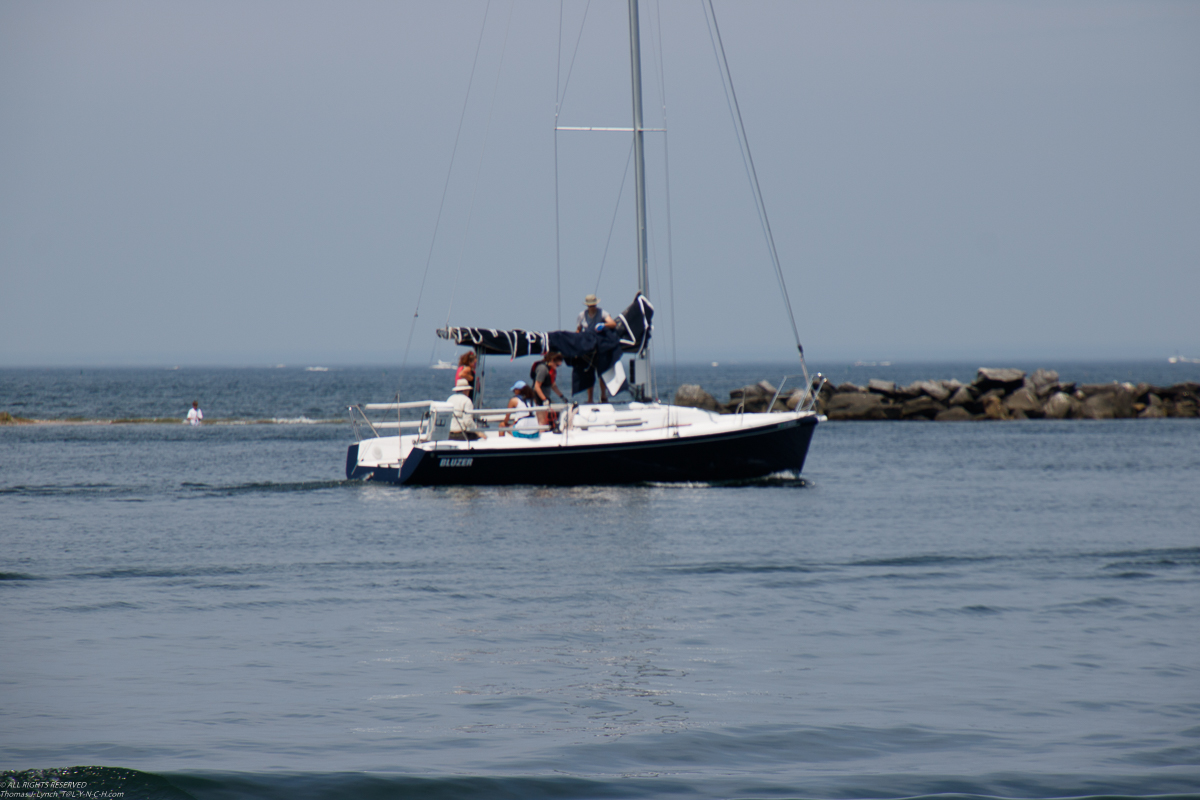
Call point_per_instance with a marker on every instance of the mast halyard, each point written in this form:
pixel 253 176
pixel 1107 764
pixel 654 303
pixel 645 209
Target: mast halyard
pixel 640 379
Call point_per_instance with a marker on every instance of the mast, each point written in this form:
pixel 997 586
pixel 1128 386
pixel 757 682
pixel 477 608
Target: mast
pixel 640 379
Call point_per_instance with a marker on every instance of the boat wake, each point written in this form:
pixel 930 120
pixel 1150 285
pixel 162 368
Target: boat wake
pixel 211 490
pixel 786 479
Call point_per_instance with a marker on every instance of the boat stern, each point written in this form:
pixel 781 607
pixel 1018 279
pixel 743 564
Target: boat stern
pixel 374 460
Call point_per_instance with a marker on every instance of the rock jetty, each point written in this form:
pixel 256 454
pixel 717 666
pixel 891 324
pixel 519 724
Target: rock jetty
pixel 995 394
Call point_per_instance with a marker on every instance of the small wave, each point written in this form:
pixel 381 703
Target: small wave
pixel 117 605
pixel 922 561
pixel 174 572
pixel 53 489
pixel 211 490
pixel 970 611
pixel 1103 602
pixel 1089 605
pixel 1154 559
pixel 761 745
pixel 679 484
pixel 741 569
pixel 19 576
pixel 787 480
pixel 90 782
pixel 980 610
pixel 1185 756
pixel 636 782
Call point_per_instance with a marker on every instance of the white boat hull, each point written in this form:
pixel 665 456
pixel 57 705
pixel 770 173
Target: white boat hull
pixel 601 445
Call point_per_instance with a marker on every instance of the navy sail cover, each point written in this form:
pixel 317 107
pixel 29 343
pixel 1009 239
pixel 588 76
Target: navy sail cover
pixel 588 353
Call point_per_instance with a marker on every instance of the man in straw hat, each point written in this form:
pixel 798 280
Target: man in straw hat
pixel 462 425
pixel 594 318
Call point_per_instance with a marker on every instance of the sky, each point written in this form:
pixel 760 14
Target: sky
pixel 261 182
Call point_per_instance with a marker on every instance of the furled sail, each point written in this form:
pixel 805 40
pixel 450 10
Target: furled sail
pixel 587 352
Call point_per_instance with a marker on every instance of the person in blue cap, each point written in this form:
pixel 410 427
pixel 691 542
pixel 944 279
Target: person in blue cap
pixel 525 426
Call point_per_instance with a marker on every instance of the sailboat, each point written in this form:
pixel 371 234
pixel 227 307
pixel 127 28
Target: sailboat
pixel 641 440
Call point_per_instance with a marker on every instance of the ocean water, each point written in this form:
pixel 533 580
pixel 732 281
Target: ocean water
pixel 1005 609
pixel 322 394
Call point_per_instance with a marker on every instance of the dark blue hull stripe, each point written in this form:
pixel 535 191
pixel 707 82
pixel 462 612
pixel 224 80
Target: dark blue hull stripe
pixel 733 455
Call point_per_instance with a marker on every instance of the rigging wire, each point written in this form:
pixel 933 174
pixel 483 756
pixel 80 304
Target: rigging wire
pixel 653 263
pixel 479 170
pixel 613 223
pixel 445 191
pixel 748 163
pixel 662 93
pixel 560 94
pixel 574 54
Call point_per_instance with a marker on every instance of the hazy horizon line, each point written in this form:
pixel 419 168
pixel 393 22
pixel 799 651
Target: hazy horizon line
pixel 981 361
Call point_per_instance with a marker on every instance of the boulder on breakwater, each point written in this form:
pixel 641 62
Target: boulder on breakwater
pixel 995 394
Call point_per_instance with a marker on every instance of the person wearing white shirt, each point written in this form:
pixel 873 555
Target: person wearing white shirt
pixel 462 424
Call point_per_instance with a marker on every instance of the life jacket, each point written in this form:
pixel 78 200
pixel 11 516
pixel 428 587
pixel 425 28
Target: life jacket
pixel 551 416
pixel 533 372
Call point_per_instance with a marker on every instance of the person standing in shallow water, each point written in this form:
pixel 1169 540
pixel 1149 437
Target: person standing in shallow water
pixel 195 415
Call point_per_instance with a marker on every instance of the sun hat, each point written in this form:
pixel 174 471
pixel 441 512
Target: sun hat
pixel 518 385
pixel 590 300
pixel 463 385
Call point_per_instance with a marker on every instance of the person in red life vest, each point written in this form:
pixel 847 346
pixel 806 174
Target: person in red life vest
pixel 466 368
pixel 545 373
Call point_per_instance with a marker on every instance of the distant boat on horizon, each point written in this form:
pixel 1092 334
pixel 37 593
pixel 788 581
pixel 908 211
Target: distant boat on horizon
pixel 443 365
pixel 1183 360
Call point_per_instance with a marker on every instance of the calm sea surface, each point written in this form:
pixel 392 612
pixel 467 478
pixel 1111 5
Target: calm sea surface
pixel 1002 609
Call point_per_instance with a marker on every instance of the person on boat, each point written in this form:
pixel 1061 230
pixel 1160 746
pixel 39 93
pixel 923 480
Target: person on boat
pixel 594 318
pixel 525 426
pixel 466 368
pixel 462 424
pixel 545 373
pixel 195 416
